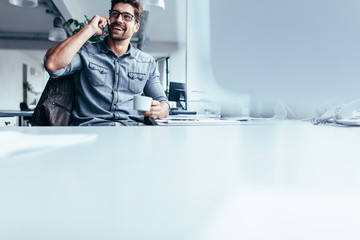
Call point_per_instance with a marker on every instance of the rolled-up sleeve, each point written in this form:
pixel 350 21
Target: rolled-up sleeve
pixel 73 67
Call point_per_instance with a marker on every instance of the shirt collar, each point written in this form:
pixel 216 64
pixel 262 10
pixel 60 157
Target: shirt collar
pixel 132 50
pixel 105 48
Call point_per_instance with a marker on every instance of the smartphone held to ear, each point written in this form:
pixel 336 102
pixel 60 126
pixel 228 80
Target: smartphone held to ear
pixel 104 30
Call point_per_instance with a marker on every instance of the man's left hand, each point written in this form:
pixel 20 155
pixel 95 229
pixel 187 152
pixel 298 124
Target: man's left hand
pixel 156 110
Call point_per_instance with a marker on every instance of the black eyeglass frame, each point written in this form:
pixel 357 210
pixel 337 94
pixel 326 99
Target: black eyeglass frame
pixel 121 13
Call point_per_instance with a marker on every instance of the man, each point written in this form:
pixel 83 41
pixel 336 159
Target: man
pixel 109 73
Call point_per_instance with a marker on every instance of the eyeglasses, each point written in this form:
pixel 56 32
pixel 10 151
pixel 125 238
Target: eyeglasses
pixel 127 17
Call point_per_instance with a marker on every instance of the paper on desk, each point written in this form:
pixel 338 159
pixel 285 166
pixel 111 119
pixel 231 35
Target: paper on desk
pixel 196 122
pixel 12 143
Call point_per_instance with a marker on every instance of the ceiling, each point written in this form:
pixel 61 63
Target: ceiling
pixel 28 28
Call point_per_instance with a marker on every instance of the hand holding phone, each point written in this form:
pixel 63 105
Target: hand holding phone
pixel 99 24
pixel 105 30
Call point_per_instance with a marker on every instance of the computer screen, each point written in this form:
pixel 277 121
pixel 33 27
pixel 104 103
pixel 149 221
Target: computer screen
pixel 304 53
pixel 177 91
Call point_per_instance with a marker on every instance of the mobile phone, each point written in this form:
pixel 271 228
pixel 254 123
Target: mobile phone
pixel 104 29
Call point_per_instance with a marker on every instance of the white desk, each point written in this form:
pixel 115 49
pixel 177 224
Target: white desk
pixel 16 113
pixel 254 181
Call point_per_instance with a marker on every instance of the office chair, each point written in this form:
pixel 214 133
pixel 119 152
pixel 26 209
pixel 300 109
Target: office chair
pixel 56 103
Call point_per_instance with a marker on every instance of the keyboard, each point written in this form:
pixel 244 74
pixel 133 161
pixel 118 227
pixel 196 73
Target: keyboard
pixel 181 112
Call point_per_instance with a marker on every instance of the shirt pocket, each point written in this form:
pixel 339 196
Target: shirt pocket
pixel 97 74
pixel 137 82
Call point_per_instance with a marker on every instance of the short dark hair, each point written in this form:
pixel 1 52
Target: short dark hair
pixel 138 12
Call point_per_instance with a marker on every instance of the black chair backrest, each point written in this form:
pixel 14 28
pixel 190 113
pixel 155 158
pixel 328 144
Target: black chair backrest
pixel 56 103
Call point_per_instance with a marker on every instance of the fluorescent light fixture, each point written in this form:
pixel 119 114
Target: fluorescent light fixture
pixel 24 3
pixel 151 5
pixel 58 33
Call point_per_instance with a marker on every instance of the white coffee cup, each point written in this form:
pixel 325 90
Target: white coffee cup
pixel 142 103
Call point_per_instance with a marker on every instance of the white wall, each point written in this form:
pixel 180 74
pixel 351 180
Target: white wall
pixel 178 57
pixel 11 77
pixel 167 32
pixel 170 43
pixel 177 64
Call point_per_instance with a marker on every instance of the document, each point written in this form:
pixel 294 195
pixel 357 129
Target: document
pixel 13 143
pixel 196 122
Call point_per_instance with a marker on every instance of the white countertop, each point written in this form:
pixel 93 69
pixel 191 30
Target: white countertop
pixel 257 180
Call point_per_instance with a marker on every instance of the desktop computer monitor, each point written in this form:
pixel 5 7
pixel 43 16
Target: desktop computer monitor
pixel 303 53
pixel 177 93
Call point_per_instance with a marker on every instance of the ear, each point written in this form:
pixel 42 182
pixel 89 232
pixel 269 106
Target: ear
pixel 136 27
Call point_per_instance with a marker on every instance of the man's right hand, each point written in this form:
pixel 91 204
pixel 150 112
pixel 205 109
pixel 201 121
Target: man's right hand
pixel 98 24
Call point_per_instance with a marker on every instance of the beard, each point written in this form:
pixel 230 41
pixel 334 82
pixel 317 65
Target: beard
pixel 117 36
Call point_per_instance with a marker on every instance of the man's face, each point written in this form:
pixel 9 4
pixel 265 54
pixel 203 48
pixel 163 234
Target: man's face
pixel 119 28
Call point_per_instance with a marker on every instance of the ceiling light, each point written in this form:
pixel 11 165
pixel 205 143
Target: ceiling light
pixel 58 33
pixel 24 3
pixel 151 5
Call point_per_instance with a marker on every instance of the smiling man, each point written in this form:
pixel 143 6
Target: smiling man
pixel 109 73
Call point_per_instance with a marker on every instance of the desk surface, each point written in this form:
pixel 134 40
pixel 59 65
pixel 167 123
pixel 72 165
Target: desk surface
pixel 254 181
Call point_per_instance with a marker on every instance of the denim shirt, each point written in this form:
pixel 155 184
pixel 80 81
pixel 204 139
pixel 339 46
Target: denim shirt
pixel 106 84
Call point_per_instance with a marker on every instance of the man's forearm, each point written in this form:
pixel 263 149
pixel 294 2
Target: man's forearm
pixel 62 54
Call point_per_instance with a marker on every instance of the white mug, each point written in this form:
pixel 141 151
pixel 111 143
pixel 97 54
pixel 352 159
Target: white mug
pixel 142 103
